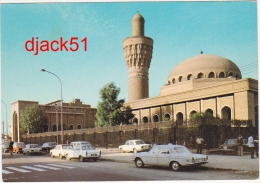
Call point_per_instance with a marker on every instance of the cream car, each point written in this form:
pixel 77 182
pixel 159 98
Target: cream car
pixel 32 149
pixel 135 146
pixel 60 150
pixel 83 152
pixel 173 156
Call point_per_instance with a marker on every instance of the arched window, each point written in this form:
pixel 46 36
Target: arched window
pixel 169 83
pixel 179 117
pixel 211 75
pixel 192 113
pixel 71 127
pixel 45 128
pixel 155 118
pixel 190 77
pixel 180 79
pixel 135 120
pixel 79 127
pixel 200 75
pixel 230 74
pixel 173 81
pixel 226 113
pixel 209 112
pixel 221 75
pixel 167 116
pixel 54 128
pixel 145 119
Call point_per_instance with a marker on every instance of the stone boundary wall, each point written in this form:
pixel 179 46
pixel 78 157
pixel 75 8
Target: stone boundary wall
pixel 111 136
pixel 161 132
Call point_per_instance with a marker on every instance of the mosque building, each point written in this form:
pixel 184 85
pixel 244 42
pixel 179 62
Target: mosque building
pixel 204 83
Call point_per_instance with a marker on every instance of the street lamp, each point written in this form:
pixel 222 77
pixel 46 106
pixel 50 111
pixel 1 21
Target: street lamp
pixel 43 70
pixel 5 119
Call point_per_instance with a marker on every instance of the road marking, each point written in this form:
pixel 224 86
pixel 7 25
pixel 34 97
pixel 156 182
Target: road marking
pixel 48 167
pixel 33 168
pixel 6 172
pixel 63 166
pixel 18 169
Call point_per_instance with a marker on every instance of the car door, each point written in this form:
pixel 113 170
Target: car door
pixel 151 158
pixel 163 156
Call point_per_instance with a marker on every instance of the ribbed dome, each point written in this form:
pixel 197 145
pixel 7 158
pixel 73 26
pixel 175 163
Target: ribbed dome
pixel 204 66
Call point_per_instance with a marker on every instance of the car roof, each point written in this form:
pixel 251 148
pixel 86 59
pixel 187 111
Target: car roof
pixel 169 145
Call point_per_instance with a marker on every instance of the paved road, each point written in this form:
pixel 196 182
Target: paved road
pixel 112 166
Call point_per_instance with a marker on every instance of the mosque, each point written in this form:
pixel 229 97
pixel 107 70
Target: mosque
pixel 204 83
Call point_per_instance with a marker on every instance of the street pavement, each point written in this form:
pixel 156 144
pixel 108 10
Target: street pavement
pixel 241 164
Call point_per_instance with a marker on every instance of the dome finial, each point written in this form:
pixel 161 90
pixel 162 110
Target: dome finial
pixel 201 52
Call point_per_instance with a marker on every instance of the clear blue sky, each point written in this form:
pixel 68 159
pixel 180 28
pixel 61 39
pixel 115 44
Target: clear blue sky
pixel 180 30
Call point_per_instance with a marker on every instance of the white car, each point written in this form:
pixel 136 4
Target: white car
pixel 82 152
pixel 135 146
pixel 32 149
pixel 173 156
pixel 60 150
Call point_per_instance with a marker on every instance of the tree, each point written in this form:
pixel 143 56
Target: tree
pixel 111 111
pixel 32 120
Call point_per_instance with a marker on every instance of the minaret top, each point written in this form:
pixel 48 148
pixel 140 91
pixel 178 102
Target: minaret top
pixel 138 25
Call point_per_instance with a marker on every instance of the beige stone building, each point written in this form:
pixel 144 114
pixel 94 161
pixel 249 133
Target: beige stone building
pixel 75 115
pixel 203 83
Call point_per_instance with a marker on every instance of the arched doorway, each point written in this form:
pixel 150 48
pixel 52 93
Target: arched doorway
pixel 54 128
pixel 155 118
pixel 135 120
pixel 179 118
pixel 145 119
pixel 167 117
pixel 226 113
pixel 209 112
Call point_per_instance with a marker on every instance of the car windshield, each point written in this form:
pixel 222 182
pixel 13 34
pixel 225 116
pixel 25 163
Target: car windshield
pixel 179 150
pixel 139 142
pixel 34 146
pixel 67 147
pixel 88 147
pixel 232 141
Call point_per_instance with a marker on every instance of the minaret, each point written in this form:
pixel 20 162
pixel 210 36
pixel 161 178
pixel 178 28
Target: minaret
pixel 138 51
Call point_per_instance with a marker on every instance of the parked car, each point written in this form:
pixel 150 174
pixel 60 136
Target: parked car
pixel 18 147
pixel 47 146
pixel 5 147
pixel 173 156
pixel 230 145
pixel 78 143
pixel 82 152
pixel 32 149
pixel 60 150
pixel 135 146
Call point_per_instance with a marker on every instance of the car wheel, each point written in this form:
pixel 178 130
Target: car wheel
pixel 23 153
pixel 60 156
pixel 139 163
pixel 121 150
pixel 67 157
pixel 29 153
pixel 135 151
pixel 175 166
pixel 52 156
pixel 81 159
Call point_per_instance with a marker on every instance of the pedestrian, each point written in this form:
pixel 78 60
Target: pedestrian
pixel 251 146
pixel 11 148
pixel 256 144
pixel 199 142
pixel 240 145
